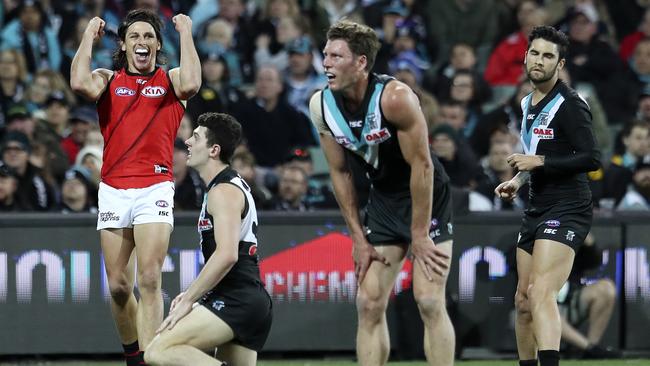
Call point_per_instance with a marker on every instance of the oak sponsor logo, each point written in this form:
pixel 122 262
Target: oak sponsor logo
pixel 153 91
pixel 376 137
pixel 124 92
pixel 543 133
pixel 204 224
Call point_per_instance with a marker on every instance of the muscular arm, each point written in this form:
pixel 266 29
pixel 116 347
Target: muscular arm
pixel 225 204
pixel 401 106
pixel 88 84
pixel 186 78
pixel 340 173
pixel 581 137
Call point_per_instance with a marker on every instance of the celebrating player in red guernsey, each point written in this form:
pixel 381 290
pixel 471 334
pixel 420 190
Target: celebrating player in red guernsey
pixel 140 108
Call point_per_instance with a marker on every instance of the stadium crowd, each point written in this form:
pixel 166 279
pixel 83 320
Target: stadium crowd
pixel 261 62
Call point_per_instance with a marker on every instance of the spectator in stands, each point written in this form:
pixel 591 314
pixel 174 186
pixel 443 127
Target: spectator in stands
pixel 457 21
pixel 234 12
pixel 301 78
pixel 643 105
pixel 12 80
pixel 270 125
pixel 459 163
pixel 506 115
pixel 102 49
pixel 218 43
pixel 81 121
pixel 592 60
pixel 496 170
pixel 408 68
pixel 90 157
pixel 44 83
pixel 505 65
pixel 629 42
pixel 32 34
pixel 244 163
pixel 76 192
pixel 57 113
pixel 319 191
pixel 637 196
pixel 462 57
pixel 636 139
pixel 287 30
pixel 8 187
pixel 189 186
pixel 465 90
pixel 19 119
pixel 216 93
pixel 33 191
pixel 592 303
pixel 292 190
pixel 640 61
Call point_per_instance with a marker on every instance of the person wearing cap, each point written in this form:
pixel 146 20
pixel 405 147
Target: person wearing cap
pixel 57 112
pixel 140 106
pixel 81 121
pixel 189 185
pixel 8 188
pixel 76 191
pixel 559 150
pixel 34 193
pixel 19 119
pixel 592 60
pixel 301 78
pixel 377 121
pixel 637 196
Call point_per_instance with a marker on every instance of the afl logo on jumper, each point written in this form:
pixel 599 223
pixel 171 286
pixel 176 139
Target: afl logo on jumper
pixel 376 137
pixel 153 91
pixel 124 92
pixel 162 203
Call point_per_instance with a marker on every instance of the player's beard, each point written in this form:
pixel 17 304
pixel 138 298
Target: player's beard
pixel 546 77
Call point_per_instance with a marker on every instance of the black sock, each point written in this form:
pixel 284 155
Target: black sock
pixel 132 353
pixel 549 357
pixel 527 362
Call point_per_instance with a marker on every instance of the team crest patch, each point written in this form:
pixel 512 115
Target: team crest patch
pixel 543 119
pixel 153 91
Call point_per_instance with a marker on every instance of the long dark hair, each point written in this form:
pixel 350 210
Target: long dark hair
pixel 138 15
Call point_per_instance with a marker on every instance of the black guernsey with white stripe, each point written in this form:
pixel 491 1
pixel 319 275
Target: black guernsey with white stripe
pixel 246 270
pixel 559 127
pixel 368 136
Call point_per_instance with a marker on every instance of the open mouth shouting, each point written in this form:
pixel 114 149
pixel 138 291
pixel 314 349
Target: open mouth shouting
pixel 142 54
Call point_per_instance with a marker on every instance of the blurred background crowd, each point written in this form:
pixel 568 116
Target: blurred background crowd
pixel 261 62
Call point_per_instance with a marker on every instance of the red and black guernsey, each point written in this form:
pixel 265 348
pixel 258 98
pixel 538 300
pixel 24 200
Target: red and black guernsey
pixel 139 116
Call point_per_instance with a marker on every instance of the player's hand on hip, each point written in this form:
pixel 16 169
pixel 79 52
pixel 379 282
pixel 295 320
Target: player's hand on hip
pixel 524 162
pixel 507 190
pixel 429 257
pixel 364 254
pixel 95 28
pixel 182 23
pixel 181 309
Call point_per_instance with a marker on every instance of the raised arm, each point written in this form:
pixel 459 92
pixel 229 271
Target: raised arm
pixel 186 78
pixel 83 81
pixel 225 204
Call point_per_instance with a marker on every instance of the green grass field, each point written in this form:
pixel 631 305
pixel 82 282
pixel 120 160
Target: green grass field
pixel 645 362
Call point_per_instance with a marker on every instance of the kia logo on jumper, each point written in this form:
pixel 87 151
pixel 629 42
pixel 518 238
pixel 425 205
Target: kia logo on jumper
pixel 124 92
pixel 162 203
pixel 153 91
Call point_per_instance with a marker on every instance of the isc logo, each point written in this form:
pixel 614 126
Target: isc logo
pixel 153 91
